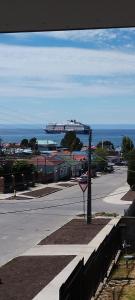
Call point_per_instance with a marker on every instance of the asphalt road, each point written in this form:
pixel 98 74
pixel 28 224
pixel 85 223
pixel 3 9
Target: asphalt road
pixel 23 223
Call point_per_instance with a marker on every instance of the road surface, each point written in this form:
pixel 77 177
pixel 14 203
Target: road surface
pixel 23 223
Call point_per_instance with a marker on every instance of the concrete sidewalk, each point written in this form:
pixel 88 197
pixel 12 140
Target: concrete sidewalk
pixel 51 291
pixel 59 184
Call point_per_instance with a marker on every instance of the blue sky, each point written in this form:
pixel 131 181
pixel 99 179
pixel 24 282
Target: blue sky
pixel 86 75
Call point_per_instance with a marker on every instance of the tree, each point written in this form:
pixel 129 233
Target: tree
pixel 24 143
pixel 126 147
pixel 33 144
pixel 7 167
pixel 105 144
pixel 71 141
pixel 100 159
pixel 131 168
pixel 23 167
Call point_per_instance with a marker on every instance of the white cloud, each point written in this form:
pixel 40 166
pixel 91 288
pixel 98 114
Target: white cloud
pixel 90 35
pixel 49 61
pixel 83 35
pixel 35 71
pixel 37 74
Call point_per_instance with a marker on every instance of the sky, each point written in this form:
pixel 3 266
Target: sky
pixel 87 75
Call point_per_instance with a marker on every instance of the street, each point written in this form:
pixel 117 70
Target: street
pixel 23 223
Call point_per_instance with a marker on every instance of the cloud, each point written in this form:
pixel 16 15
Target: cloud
pixel 82 35
pixel 98 36
pixel 39 77
pixel 33 62
pixel 29 71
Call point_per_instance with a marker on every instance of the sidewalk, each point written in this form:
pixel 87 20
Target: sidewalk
pixel 117 195
pixel 39 190
pixel 40 271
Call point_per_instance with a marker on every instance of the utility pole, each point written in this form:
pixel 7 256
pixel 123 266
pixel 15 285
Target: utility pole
pixel 89 179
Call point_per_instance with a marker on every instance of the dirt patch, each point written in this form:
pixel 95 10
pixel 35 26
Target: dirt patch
pixel 18 198
pixel 76 231
pixel 24 277
pixel 129 196
pixel 42 192
pixel 67 184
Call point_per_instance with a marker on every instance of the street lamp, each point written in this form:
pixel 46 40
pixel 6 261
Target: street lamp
pixel 89 217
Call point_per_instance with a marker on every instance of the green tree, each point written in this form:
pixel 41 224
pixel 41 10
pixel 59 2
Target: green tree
pixel 71 141
pixel 105 144
pixel 126 147
pixel 24 143
pixel 1 171
pixel 131 168
pixel 33 144
pixel 23 167
pixel 6 171
pixel 7 167
pixel 100 159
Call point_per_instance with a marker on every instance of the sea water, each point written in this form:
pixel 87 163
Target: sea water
pixel 15 135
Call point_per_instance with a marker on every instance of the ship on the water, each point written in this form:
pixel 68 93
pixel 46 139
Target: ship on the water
pixel 71 125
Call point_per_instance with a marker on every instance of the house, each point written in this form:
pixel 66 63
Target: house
pixel 75 166
pixel 52 168
pixel 46 145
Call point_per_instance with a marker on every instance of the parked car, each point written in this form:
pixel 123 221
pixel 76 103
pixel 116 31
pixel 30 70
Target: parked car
pixel 109 169
pixel 83 178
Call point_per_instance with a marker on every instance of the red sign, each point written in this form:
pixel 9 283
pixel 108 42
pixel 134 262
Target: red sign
pixel 83 186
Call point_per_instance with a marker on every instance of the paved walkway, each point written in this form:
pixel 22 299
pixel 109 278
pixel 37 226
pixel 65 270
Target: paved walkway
pixel 38 187
pixel 51 291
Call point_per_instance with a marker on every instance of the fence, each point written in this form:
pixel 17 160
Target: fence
pixel 130 212
pixel 84 280
pixel 72 288
pixel 97 266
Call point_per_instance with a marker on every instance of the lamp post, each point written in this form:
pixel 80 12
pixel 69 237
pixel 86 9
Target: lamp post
pixel 89 179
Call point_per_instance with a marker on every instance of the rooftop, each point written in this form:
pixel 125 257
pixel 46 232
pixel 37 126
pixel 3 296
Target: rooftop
pixel 46 142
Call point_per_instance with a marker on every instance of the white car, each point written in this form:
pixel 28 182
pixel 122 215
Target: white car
pixel 83 178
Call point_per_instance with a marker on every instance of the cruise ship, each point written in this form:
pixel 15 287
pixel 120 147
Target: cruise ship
pixel 71 125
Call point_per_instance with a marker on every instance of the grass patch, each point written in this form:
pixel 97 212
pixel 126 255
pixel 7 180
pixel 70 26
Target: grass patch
pixel 122 270
pixel 106 214
pixel 128 293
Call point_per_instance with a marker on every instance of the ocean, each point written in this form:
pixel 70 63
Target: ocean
pixel 113 135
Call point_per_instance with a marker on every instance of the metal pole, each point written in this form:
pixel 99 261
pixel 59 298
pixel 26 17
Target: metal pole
pixel 89 179
pixel 84 204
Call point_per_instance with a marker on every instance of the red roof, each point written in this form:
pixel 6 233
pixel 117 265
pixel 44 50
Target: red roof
pixel 42 160
pixel 79 156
